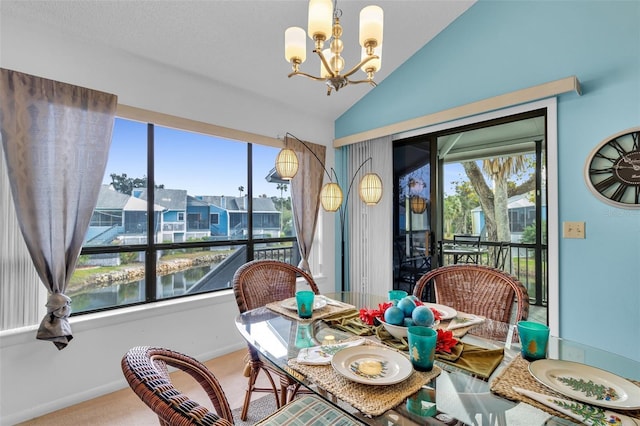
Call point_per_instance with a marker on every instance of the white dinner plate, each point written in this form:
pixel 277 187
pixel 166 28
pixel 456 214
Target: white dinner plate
pixel 587 384
pixel 372 365
pixel 445 311
pixel 290 303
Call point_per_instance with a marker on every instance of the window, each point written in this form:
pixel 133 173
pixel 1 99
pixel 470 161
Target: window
pixel 191 232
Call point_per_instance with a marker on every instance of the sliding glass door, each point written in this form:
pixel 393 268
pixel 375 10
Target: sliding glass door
pixel 485 180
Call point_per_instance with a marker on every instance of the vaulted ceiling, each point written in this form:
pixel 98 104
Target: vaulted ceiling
pixel 240 43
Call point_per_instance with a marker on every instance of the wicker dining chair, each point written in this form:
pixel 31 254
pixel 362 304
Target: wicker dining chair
pixel 145 368
pixel 256 284
pixel 479 290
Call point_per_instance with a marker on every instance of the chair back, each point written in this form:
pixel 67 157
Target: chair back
pixel 145 369
pixel 260 282
pixel 501 254
pixel 471 242
pixel 479 290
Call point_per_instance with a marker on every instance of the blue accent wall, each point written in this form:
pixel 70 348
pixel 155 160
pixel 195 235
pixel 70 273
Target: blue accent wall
pixel 501 46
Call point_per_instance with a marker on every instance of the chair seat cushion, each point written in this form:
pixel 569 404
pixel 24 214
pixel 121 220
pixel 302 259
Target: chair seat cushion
pixel 309 410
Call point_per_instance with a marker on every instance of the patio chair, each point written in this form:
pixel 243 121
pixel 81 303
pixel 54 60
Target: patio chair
pixel 145 369
pixel 501 254
pixel 409 269
pixel 471 242
pixel 479 290
pixel 256 284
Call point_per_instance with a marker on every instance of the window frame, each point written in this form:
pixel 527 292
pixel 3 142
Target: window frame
pixel 152 248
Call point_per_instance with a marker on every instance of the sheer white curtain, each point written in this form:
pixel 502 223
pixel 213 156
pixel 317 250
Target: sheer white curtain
pixel 56 140
pixel 19 304
pixel 370 232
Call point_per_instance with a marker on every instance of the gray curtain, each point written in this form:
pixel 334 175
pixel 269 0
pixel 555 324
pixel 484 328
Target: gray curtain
pixel 56 140
pixel 305 193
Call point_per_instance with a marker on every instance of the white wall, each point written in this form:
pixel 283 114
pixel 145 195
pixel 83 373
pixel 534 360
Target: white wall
pixel 36 378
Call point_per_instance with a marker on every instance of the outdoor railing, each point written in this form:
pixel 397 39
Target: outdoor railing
pixel 288 254
pixel 520 262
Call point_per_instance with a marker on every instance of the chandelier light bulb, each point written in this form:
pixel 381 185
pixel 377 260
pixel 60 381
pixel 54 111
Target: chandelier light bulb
pixel 320 19
pixel 324 72
pixel 373 65
pixel 371 23
pixel 295 45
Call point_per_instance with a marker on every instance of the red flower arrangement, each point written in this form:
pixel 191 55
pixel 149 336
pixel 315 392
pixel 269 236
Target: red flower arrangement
pixel 445 341
pixel 368 316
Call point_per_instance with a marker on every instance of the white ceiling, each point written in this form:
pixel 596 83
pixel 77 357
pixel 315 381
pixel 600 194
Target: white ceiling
pixel 240 42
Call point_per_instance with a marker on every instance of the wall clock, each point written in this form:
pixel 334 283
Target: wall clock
pixel 612 171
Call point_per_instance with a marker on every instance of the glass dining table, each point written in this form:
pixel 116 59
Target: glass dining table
pixel 452 397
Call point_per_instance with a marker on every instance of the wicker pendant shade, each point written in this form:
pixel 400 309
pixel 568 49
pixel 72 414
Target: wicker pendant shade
pixel 371 189
pixel 287 164
pixel 418 204
pixel 331 197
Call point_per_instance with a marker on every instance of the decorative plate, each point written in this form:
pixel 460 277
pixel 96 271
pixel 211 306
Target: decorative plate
pixel 290 303
pixel 587 384
pixel 372 365
pixel 322 355
pixel 445 311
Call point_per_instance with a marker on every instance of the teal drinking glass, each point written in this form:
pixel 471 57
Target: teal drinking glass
pixel 422 347
pixel 534 339
pixel 397 295
pixel 304 299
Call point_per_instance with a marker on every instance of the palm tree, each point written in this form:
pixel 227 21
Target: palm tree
pixel 241 189
pixel 494 202
pixel 282 187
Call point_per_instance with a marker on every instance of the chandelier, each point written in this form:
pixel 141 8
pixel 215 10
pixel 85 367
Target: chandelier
pixel 324 24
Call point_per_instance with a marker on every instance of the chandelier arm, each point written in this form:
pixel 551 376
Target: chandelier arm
pixel 306 75
pixel 314 154
pixel 360 64
pixel 371 82
pixel 325 63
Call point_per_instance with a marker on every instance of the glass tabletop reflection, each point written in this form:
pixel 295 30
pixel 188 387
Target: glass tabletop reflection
pixel 454 397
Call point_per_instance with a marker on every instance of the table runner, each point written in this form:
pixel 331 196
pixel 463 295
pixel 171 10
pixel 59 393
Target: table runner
pixel 321 313
pixel 369 399
pixel 517 374
pixel 480 362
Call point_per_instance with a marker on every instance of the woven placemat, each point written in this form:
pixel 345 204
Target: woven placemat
pixel 370 400
pixel 517 374
pixel 323 312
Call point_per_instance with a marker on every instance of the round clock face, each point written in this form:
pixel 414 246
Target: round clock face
pixel 613 169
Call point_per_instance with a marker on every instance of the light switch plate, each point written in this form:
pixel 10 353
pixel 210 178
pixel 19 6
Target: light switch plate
pixel 573 230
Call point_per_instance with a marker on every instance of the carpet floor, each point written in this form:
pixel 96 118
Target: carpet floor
pixel 258 410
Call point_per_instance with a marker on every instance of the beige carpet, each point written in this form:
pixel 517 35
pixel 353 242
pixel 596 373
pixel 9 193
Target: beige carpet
pixel 258 410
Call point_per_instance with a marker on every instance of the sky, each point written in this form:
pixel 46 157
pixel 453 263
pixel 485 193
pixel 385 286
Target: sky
pixel 205 165
pixel 201 164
